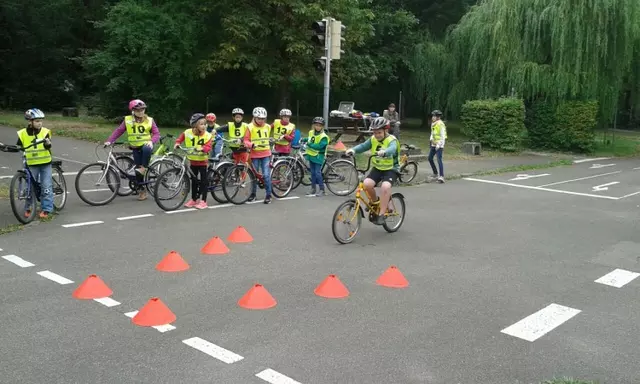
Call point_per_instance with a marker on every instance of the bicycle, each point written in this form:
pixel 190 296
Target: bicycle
pixel 29 189
pixel 357 208
pixel 408 169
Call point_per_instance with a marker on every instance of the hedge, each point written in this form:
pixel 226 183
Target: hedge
pixel 497 124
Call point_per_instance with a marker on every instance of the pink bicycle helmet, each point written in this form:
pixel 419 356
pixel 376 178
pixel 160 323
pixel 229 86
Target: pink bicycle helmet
pixel 136 104
pixel 211 117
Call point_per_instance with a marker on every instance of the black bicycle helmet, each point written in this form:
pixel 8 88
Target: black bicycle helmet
pixel 379 123
pixel 436 112
pixel 195 117
pixel 317 120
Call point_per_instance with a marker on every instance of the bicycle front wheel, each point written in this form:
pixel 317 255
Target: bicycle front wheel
pixel 396 213
pixel 347 213
pixel 341 177
pixel 281 179
pixel 59 189
pixel 216 181
pixel 96 184
pixel 154 170
pixel 23 198
pixel 238 183
pixel 171 189
pixel 126 164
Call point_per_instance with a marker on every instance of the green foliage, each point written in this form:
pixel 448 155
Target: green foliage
pixel 575 126
pixel 541 126
pixel 497 124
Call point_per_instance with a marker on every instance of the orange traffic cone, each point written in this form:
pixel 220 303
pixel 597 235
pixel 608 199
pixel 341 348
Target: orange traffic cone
pixel 154 313
pixel 172 262
pixel 92 288
pixel 215 246
pixel 257 298
pixel 332 288
pixel 340 146
pixel 392 278
pixel 240 235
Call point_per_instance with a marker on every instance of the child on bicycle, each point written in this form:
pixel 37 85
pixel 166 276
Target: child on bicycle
pixel 200 140
pixel 257 138
pixel 283 131
pixel 237 129
pixel 316 151
pixel 38 159
pixel 142 133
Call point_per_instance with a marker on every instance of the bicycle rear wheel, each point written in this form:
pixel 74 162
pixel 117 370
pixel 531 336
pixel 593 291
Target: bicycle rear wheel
pixel 171 189
pixel 408 172
pixel 59 189
pixel 126 164
pixel 216 180
pixel 238 183
pixel 341 177
pixel 281 179
pixel 349 214
pixel 396 212
pixel 104 187
pixel 23 198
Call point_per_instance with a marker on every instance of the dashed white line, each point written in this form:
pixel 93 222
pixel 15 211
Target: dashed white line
pixel 55 277
pixel 181 211
pixel 540 323
pixel 160 328
pixel 82 224
pixel 617 278
pixel 587 160
pixel 541 189
pixel 213 350
pixel 135 217
pixel 275 377
pixel 107 302
pixel 20 262
pixel 581 178
pixel 221 206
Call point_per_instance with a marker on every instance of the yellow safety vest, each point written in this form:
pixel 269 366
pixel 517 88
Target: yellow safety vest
pixel 383 163
pixel 236 133
pixel 313 138
pixel 436 130
pixel 279 130
pixel 260 137
pixel 138 133
pixel 36 155
pixel 191 140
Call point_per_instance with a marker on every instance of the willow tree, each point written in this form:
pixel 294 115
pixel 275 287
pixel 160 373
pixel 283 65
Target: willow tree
pixel 559 50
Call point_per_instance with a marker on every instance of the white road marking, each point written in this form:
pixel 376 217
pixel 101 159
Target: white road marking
pixel 82 224
pixel 604 187
pixel 69 160
pixel 587 160
pixel 617 278
pixel 55 277
pixel 629 195
pixel 598 166
pixel 107 302
pixel 526 176
pixel 274 377
pixel 221 206
pixel 578 179
pixel 181 211
pixel 540 323
pixel 135 217
pixel 541 189
pixel 96 190
pixel 160 328
pixel 213 350
pixel 20 262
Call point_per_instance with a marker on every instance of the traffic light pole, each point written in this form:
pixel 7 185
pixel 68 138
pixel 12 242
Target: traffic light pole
pixel 327 75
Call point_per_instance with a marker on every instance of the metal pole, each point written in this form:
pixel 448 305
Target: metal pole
pixel 327 73
pixel 400 105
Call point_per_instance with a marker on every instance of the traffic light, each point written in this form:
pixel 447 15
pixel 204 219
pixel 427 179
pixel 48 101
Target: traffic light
pixel 320 64
pixel 319 32
pixel 337 29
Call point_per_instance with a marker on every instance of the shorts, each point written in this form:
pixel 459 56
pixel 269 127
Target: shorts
pixel 377 176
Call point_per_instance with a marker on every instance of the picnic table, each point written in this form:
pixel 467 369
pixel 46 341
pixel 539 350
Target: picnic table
pixel 344 123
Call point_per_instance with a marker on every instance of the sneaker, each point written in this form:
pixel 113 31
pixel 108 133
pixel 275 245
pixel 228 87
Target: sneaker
pixel 441 180
pixel 312 192
pixel 321 193
pixel 191 203
pixel 431 178
pixel 44 215
pixel 142 195
pixel 252 197
pixel 201 205
pixel 27 213
pixel 267 200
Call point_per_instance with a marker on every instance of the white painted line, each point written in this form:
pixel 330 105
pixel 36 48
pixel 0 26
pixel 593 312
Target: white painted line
pixel 617 278
pixel 578 179
pixel 55 277
pixel 82 224
pixel 221 206
pixel 213 350
pixel 160 328
pixel 541 189
pixel 527 176
pixel 135 217
pixel 274 377
pixel 255 201
pixel 629 195
pixel 540 323
pixel 180 211
pixel 636 168
pixel 107 302
pixel 604 187
pixel 598 166
pixel 69 160
pixel 588 160
pixel 288 198
pixel 20 262
pixel 96 190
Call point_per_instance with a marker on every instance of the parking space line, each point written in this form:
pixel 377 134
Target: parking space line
pixel 578 179
pixel 588 160
pixel 19 261
pixel 55 277
pixel 540 323
pixel 135 217
pixel 629 195
pixel 618 278
pixel 541 189
pixel 275 377
pixel 213 350
pixel 160 328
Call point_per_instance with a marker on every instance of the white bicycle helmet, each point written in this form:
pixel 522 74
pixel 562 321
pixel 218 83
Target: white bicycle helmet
pixel 379 123
pixel 33 113
pixel 237 111
pixel 259 113
pixel 285 112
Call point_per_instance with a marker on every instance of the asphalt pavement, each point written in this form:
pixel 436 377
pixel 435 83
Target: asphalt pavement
pixel 502 275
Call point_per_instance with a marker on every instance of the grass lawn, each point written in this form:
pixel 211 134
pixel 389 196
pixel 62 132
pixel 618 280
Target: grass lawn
pixel 568 381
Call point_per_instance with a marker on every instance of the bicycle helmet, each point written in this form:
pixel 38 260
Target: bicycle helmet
pixel 260 113
pixel 33 113
pixel 285 112
pixel 436 112
pixel 237 111
pixel 211 117
pixel 317 120
pixel 195 117
pixel 137 104
pixel 379 123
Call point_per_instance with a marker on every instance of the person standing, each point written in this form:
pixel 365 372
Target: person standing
pixel 437 140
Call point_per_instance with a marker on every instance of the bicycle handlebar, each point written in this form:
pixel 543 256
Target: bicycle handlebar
pixel 16 148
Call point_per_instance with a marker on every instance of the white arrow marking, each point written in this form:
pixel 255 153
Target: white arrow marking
pixel 526 176
pixel 604 187
pixel 597 166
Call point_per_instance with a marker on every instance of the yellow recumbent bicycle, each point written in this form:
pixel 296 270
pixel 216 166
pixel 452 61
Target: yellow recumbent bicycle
pixel 351 212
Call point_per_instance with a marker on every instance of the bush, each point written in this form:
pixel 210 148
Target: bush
pixel 498 124
pixel 540 123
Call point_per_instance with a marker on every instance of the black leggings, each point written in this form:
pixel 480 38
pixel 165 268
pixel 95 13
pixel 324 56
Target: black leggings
pixel 199 184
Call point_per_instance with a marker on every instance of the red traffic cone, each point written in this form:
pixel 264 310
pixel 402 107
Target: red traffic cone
pixel 392 278
pixel 92 288
pixel 215 246
pixel 172 262
pixel 154 313
pixel 332 288
pixel 257 298
pixel 240 235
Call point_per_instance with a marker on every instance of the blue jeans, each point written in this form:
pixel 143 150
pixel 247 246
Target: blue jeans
pixel 316 175
pixel 262 166
pixel 42 173
pixel 432 153
pixel 141 157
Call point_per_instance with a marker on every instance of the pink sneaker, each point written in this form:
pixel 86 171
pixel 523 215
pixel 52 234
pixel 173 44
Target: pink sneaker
pixel 191 203
pixel 202 205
